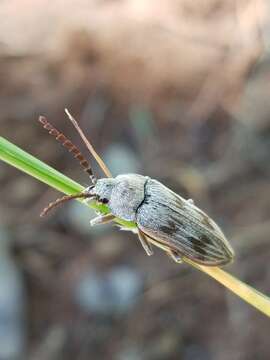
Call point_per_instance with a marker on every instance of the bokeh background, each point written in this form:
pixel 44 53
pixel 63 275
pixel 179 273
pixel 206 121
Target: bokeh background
pixel 177 90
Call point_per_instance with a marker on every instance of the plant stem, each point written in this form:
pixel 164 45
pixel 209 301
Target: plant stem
pixel 244 291
pixel 27 163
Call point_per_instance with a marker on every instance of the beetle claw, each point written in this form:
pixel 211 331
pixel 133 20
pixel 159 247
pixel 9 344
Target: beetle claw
pixel 175 256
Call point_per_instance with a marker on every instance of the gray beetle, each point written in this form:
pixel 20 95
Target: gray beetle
pixel 163 218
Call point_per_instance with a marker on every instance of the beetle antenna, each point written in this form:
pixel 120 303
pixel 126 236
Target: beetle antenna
pixel 68 144
pixel 62 200
pixel 89 145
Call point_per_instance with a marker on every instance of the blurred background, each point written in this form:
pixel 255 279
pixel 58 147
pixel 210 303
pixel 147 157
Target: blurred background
pixel 177 90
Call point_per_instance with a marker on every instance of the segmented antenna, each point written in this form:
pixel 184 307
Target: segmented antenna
pixel 89 145
pixel 62 200
pixel 68 144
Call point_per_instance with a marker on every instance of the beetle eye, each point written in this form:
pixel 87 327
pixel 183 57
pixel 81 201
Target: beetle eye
pixel 105 201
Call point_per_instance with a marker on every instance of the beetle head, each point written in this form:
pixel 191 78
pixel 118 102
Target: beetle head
pixel 102 190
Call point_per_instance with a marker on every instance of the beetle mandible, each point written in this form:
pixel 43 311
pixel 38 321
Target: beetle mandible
pixel 163 218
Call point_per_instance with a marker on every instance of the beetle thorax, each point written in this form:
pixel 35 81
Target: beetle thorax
pixel 123 194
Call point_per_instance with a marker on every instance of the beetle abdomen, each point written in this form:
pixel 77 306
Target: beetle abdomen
pixel 169 219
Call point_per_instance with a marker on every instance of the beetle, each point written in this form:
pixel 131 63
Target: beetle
pixel 162 217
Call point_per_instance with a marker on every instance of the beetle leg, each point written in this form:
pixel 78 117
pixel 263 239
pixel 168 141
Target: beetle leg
pixel 145 243
pixel 175 256
pixel 102 219
pixel 190 201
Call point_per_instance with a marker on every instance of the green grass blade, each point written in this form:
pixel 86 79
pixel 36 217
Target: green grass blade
pixel 27 163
